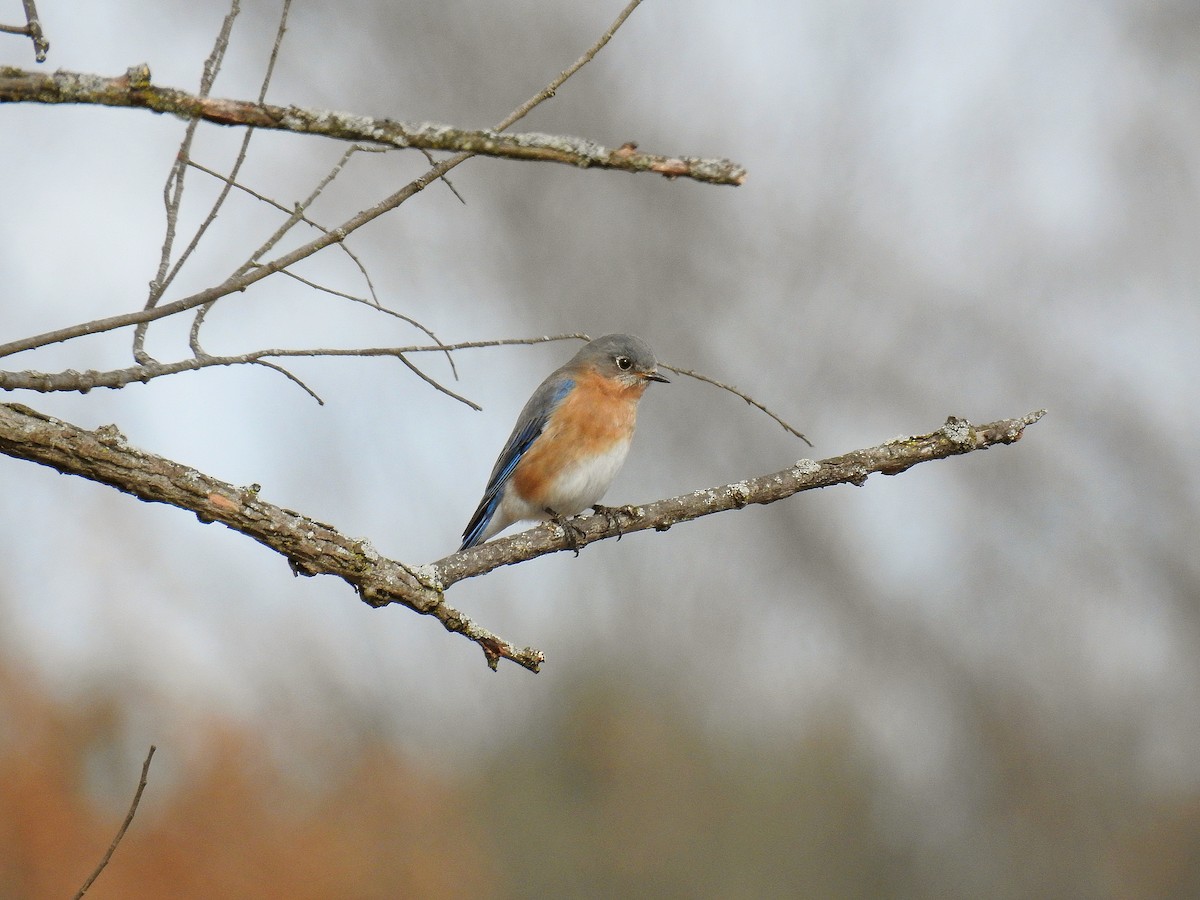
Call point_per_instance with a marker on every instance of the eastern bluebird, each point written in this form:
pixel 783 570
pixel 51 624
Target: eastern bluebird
pixel 570 438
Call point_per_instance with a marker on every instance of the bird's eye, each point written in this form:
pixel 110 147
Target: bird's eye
pixel 624 363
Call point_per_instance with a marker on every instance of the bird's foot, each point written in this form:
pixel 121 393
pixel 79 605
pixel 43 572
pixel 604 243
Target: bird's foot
pixel 572 532
pixel 614 514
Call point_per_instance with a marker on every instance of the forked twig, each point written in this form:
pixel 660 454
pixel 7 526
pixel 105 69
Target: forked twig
pixel 305 219
pixel 233 173
pixel 446 181
pixel 173 187
pixel 32 29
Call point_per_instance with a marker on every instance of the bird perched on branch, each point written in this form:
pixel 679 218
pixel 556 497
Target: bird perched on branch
pixel 570 439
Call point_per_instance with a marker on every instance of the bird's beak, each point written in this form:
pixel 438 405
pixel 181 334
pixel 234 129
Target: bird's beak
pixel 654 376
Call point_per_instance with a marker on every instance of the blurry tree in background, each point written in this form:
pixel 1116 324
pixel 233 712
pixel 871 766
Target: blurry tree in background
pixel 975 680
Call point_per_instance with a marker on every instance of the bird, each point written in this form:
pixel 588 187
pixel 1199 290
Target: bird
pixel 570 438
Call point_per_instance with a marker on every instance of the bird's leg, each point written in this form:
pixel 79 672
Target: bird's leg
pixel 612 515
pixel 572 532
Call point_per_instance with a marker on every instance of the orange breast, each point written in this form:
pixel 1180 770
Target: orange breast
pixel 597 414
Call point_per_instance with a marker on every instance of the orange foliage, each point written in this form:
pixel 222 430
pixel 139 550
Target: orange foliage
pixel 236 828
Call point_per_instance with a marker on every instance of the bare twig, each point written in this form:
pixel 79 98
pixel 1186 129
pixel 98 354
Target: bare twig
pixel 184 157
pixel 314 548
pixel 194 332
pixel 137 798
pixel 70 380
pixel 32 29
pixel 292 377
pixel 114 379
pixel 588 55
pixel 376 305
pixel 307 221
pixel 433 383
pixel 446 181
pixel 173 187
pixel 373 302
pixel 297 215
pixel 239 160
pixel 728 387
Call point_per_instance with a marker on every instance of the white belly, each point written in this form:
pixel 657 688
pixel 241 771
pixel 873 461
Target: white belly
pixel 577 487
pixel 584 483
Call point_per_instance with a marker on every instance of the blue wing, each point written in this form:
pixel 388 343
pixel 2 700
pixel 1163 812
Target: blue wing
pixel 530 424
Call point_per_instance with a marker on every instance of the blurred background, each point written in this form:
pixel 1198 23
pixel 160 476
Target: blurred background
pixel 976 679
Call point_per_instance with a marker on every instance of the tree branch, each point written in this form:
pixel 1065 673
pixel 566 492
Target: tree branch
pixel 956 437
pixel 311 547
pixel 314 548
pixel 83 382
pixel 134 89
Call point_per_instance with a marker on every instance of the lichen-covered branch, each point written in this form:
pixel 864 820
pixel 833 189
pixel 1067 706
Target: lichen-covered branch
pixel 311 547
pixel 135 89
pixel 314 548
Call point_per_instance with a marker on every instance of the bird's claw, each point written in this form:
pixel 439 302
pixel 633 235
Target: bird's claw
pixel 571 532
pixel 613 514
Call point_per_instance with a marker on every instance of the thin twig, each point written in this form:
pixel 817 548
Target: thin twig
pixel 212 68
pixel 305 219
pixel 71 380
pixel 446 181
pixel 549 90
pixel 83 382
pixel 233 172
pixel 290 377
pixel 173 188
pixel 298 213
pixel 728 387
pixel 137 798
pixel 412 367
pixel 374 304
